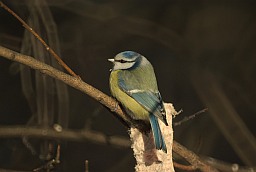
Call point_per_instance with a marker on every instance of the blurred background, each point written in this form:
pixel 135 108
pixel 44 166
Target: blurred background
pixel 203 53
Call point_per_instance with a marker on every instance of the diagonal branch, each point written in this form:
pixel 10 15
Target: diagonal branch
pixel 99 96
pixel 192 158
pixel 74 82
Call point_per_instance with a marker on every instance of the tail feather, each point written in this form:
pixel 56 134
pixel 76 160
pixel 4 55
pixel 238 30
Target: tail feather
pixel 157 134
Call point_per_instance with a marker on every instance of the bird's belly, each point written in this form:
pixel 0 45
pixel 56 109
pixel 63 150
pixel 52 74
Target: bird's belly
pixel 138 112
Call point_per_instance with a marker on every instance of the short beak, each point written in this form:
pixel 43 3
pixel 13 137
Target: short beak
pixel 111 60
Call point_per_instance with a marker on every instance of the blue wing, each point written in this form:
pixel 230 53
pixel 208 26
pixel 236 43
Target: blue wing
pixel 151 101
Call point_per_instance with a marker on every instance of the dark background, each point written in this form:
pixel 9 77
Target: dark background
pixel 203 53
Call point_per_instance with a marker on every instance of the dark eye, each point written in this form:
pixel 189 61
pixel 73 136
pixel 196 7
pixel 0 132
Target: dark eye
pixel 122 61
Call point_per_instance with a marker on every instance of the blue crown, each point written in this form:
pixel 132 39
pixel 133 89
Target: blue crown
pixel 129 54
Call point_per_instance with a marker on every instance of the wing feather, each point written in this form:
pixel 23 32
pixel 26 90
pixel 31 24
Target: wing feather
pixel 148 99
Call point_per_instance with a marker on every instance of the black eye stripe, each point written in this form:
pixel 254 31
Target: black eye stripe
pixel 124 61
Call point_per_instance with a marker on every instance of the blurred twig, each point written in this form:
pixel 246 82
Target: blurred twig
pixel 39 38
pixel 100 138
pixel 227 167
pixel 64 134
pixel 86 165
pixel 51 103
pixel 9 170
pixel 50 165
pixel 226 117
pixel 62 98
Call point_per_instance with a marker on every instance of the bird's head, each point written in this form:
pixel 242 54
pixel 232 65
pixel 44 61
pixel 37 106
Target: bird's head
pixel 126 60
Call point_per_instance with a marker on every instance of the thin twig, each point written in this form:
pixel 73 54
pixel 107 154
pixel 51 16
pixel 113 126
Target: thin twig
pixel 52 52
pixel 189 117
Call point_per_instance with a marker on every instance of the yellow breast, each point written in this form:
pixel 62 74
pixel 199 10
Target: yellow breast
pixel 137 110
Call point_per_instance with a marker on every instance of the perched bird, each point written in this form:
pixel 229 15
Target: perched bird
pixel 133 84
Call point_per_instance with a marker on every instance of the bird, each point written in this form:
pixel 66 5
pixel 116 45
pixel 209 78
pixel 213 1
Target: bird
pixel 133 84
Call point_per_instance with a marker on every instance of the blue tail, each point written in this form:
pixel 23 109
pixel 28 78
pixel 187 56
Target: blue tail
pixel 157 134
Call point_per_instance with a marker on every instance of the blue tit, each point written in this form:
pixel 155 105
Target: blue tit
pixel 133 83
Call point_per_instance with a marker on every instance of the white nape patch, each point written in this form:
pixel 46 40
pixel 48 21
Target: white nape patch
pixel 144 61
pixel 136 91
